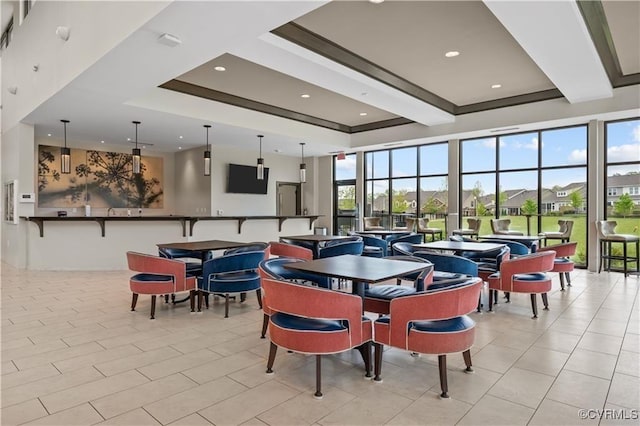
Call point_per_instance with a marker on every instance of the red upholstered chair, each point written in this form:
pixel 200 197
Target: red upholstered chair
pixel 157 276
pixel 524 274
pixel 432 322
pixel 562 263
pixel 290 250
pixel 312 320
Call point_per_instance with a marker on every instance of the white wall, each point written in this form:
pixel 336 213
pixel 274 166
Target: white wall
pixel 192 187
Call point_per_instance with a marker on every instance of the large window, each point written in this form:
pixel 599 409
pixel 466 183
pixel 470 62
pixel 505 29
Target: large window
pixel 407 182
pixel 532 178
pixel 622 141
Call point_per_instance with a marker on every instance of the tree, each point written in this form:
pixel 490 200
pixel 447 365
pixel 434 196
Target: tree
pixel 347 198
pixel 477 192
pixel 624 205
pixel 399 201
pixel 576 200
pixel 529 207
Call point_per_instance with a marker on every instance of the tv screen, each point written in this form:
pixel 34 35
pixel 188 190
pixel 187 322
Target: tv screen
pixel 243 180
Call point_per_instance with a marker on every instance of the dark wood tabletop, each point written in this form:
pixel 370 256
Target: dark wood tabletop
pixel 382 232
pixel 358 268
pixel 313 238
pixel 459 246
pixel 204 245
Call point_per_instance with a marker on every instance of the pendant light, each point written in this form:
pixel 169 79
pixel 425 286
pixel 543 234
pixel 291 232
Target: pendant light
pixel 65 153
pixel 135 159
pixel 260 174
pixel 207 154
pixel 303 166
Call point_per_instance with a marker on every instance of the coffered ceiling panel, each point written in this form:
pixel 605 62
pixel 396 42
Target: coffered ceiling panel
pixel 623 18
pixel 251 81
pixel 410 39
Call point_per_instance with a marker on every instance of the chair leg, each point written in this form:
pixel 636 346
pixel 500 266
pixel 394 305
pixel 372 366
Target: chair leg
pixel 442 365
pixel 173 298
pixel 243 297
pixel 601 257
pixel 479 309
pixel 561 281
pixel 166 298
pixel 491 300
pixel 265 324
pixel 226 305
pixel 545 301
pixel 365 351
pixel 259 296
pixel 199 300
pixel 153 307
pixel 134 301
pixel 378 361
pixel 206 299
pixel 318 393
pixel 192 300
pixel 507 296
pixel 467 360
pixel 534 305
pixel 568 275
pixel 495 297
pixel 272 357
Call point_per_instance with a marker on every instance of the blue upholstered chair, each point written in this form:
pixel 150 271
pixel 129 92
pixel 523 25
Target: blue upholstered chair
pixel 341 248
pixel 431 322
pixel 408 238
pixel 374 246
pixel 257 246
pixel 517 249
pixel 191 259
pixel 402 249
pixel 274 269
pixel 230 274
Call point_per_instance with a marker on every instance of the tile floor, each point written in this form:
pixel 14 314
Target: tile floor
pixel 73 354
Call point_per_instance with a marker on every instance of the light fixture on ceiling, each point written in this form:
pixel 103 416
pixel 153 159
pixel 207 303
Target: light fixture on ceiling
pixel 452 54
pixel 65 153
pixel 341 156
pixel 63 32
pixel 496 86
pixel 362 114
pixel 219 68
pixel 12 89
pixel 169 40
pixel 303 166
pixel 207 154
pixel 260 168
pixel 135 158
pixel 376 1
pixel 49 134
pixel 305 96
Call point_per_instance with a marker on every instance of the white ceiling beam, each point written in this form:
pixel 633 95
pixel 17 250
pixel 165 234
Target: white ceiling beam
pixel 555 36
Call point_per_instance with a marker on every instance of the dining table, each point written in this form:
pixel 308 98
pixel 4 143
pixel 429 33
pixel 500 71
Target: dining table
pixel 527 240
pixel 458 246
pixel 314 239
pixel 360 270
pixel 204 247
pixel 382 232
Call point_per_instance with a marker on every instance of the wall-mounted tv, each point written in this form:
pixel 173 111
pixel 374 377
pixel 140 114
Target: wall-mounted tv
pixel 243 180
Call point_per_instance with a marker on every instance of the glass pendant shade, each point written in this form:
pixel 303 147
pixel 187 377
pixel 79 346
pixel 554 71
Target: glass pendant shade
pixel 260 168
pixel 303 166
pixel 135 154
pixel 65 153
pixel 207 154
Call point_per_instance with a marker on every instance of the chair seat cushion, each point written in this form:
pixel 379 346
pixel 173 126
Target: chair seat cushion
pixel 441 326
pixel 151 278
pixel 372 251
pixel 621 238
pixel 538 276
pixel 388 292
pixel 562 260
pixel 233 282
pixel 293 322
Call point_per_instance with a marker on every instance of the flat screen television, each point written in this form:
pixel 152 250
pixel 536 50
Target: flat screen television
pixel 243 180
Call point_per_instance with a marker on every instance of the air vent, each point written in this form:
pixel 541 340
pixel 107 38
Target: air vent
pixel 508 129
pixel 393 144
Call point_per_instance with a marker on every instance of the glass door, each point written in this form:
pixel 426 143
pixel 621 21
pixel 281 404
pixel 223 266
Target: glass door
pixel 346 212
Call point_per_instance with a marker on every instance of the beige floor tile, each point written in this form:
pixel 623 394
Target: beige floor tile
pixel 610 328
pixel 68 398
pixel 628 363
pixel 217 367
pixel 8 367
pixel 27 376
pixel 579 390
pixel 592 363
pixel 81 415
pixel 614 415
pixel 624 391
pixel 376 407
pixel 96 358
pixel 598 342
pixel 522 387
pixel 553 413
pixel 137 417
pixel 27 351
pixel 24 412
pixel 116 366
pixel 192 400
pixel 542 360
pixel 496 358
pixel 631 342
pixel 430 409
pixel 196 360
pixel 516 339
pixel 49 385
pixel 304 409
pixel 79 339
pixel 191 420
pixel 16 343
pixel 135 397
pixel 203 342
pixel 495 411
pixel 253 422
pixel 558 341
pixel 57 355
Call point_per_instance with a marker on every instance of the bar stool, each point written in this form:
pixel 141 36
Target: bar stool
pixel 606 237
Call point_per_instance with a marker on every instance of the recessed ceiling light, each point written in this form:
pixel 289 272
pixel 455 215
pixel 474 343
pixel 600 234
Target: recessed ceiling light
pixel 180 137
pixel 496 86
pixel 101 141
pixel 452 54
pixel 144 146
pixel 305 95
pixel 362 114
pixel 48 134
pixel 376 1
pixel 219 68
pixel 179 147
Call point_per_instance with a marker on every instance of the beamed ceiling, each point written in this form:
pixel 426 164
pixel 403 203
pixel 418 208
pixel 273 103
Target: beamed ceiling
pixel 402 44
